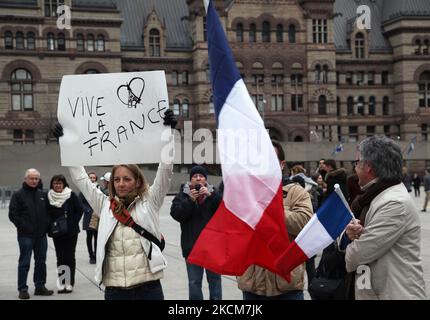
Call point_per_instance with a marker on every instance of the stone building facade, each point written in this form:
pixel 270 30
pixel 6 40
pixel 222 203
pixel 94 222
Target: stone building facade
pixel 313 74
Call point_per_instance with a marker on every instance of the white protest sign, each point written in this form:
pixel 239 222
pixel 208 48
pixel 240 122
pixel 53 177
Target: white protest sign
pixel 112 118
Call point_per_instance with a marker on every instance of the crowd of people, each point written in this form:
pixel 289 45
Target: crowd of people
pixel 124 240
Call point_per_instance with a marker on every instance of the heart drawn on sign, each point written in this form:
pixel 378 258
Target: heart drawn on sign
pixel 131 92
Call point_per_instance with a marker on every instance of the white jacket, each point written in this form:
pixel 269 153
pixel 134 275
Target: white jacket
pixel 391 247
pixel 147 212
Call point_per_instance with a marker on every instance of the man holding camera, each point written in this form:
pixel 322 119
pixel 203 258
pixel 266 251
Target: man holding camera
pixel 193 207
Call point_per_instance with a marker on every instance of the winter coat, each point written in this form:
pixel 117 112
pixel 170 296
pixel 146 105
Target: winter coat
pixel 297 211
pixel 28 212
pixel 126 264
pixel 193 216
pixel 87 212
pixel 416 182
pixel 337 176
pixel 71 207
pixel 390 246
pixel 146 215
pixel 426 181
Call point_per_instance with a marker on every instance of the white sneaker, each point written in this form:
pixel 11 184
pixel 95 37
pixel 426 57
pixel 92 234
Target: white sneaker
pixel 69 287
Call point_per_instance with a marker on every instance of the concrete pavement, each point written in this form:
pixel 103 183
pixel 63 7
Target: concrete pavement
pixel 175 276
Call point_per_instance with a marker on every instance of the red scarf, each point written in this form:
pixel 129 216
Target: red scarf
pixel 121 213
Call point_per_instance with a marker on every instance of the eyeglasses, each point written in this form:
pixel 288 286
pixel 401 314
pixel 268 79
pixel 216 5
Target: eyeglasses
pixel 356 162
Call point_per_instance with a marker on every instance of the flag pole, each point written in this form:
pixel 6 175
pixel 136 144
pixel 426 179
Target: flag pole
pixel 342 197
pixel 206 3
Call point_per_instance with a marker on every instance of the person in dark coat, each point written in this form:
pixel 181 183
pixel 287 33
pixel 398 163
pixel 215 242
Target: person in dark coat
pixel 88 212
pixel 64 202
pixel 416 182
pixel 334 176
pixel 193 207
pixel 28 212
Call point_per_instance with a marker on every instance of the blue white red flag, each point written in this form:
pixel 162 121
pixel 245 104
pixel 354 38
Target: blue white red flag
pixel 323 228
pixel 411 145
pixel 249 225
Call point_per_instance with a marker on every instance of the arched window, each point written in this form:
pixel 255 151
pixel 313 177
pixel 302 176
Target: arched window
pixel 19 40
pixel 61 43
pixel 426 46
pixel 154 43
pixel 252 33
pixel 279 33
pixel 31 41
pixel 91 71
pixel 8 40
pixel 51 7
pixel 50 41
pixel 174 78
pixel 317 73
pixel 384 77
pixel 80 44
pixel 424 90
pixel 359 46
pixel 322 105
pixel 338 106
pixel 100 43
pixel 176 110
pixel 185 108
pixel 386 106
pixel 22 90
pixel 418 46
pixel 350 106
pixel 265 32
pixel 184 77
pixel 360 105
pixel 90 42
pixel 296 79
pixel 372 106
pixel 211 105
pixel 239 32
pixel 325 74
pixel 292 33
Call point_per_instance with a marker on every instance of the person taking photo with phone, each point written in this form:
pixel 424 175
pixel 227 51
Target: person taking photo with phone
pixel 193 207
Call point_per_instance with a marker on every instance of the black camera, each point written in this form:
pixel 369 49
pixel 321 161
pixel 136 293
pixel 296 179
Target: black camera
pixel 197 187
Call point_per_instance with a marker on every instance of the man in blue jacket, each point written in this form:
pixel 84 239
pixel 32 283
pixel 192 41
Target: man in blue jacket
pixel 28 212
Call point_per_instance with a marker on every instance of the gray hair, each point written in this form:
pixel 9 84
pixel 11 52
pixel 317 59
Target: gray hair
pixel 384 156
pixel 31 171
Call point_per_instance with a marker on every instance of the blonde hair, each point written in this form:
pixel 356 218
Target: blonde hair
pixel 297 169
pixel 137 175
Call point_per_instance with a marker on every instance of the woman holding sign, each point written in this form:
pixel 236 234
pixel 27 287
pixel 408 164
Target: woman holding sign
pixel 129 244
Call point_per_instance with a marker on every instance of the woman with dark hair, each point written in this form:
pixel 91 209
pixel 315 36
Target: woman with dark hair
pixel 63 202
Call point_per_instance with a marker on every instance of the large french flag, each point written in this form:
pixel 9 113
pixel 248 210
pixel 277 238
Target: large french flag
pixel 248 227
pixel 323 228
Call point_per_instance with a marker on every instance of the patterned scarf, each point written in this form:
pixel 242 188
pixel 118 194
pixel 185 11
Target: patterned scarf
pixel 119 206
pixel 361 203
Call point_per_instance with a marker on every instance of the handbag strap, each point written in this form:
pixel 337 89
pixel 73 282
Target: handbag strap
pixel 127 220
